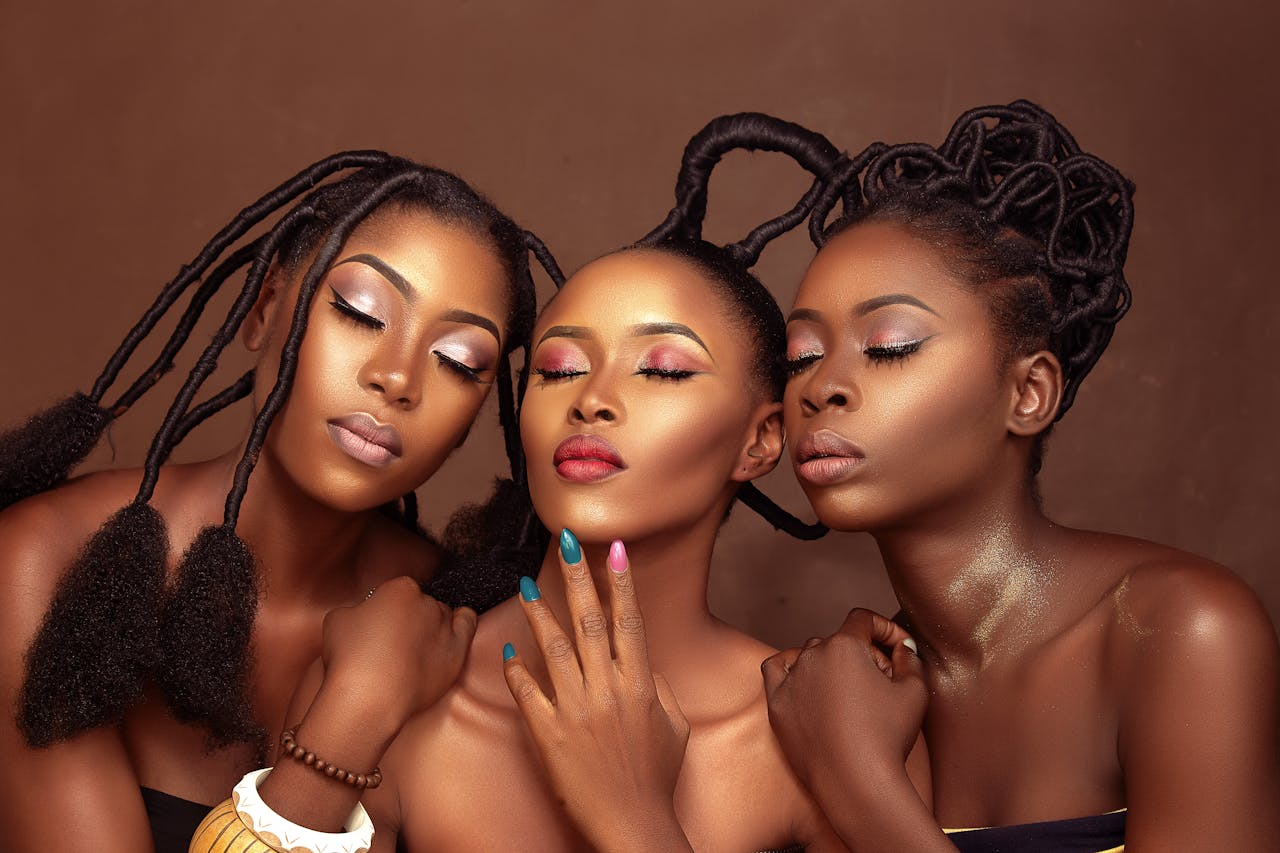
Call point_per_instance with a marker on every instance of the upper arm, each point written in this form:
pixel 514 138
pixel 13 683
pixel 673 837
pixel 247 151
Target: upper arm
pixel 1199 713
pixel 79 794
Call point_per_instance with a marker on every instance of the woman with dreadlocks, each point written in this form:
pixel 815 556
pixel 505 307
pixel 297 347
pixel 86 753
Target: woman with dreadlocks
pixel 158 620
pixel 1078 690
pixel 656 365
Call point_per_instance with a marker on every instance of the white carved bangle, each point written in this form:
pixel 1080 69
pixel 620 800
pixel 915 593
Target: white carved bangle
pixel 287 837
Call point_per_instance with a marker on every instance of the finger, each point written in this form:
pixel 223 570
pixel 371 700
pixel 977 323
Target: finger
pixel 590 628
pixel 533 703
pixel 776 668
pixel 628 625
pixel 556 647
pixel 906 662
pixel 874 628
pixel 671 705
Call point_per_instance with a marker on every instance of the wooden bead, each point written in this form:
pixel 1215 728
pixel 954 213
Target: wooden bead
pixel 309 759
pixel 331 771
pixel 361 781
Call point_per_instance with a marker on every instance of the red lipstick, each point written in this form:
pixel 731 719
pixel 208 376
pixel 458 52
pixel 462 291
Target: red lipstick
pixel 361 437
pixel 587 459
pixel 825 458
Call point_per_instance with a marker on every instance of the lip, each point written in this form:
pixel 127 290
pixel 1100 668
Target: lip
pixel 825 457
pixel 587 459
pixel 360 436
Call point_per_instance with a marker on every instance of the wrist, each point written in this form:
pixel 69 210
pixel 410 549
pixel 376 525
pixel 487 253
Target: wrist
pixel 654 827
pixel 349 727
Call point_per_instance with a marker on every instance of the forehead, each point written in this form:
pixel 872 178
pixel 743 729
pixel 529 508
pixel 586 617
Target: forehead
pixel 878 258
pixel 634 287
pixel 441 260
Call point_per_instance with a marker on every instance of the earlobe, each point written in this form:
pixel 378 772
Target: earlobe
pixel 763 447
pixel 257 324
pixel 1037 393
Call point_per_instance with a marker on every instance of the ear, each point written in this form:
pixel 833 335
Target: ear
pixel 1036 393
pixel 763 444
pixel 255 331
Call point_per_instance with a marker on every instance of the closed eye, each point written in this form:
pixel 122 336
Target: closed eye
pixel 551 375
pixel 350 312
pixel 666 373
pixel 802 362
pixel 893 352
pixel 466 371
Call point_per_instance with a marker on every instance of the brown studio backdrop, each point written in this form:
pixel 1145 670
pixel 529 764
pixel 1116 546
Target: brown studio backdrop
pixel 133 131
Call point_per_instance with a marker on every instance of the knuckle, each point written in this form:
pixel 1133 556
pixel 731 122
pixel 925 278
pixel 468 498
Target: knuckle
pixel 526 691
pixel 630 624
pixel 593 626
pixel 558 649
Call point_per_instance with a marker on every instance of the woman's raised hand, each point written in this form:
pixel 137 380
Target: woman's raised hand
pixel 860 692
pixel 398 650
pixel 847 710
pixel 612 738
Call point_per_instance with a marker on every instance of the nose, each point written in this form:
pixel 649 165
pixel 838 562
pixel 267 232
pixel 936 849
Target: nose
pixel 390 374
pixel 596 402
pixel 829 387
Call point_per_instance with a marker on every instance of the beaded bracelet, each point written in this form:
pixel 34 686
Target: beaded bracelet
pixel 289 747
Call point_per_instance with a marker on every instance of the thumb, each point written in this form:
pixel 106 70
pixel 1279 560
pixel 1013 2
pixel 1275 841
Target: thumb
pixel 906 661
pixel 776 668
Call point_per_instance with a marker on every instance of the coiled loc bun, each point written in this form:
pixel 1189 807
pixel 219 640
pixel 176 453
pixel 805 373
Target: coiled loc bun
pixel 1013 193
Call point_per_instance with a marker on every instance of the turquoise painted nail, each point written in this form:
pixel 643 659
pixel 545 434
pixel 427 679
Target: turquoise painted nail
pixel 569 547
pixel 508 652
pixel 529 590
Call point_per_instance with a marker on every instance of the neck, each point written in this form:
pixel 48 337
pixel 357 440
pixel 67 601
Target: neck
pixel 671 571
pixel 303 548
pixel 979 584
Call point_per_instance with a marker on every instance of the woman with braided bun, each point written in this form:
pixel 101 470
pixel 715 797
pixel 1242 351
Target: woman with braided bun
pixel 652 404
pixel 1077 690
pixel 158 621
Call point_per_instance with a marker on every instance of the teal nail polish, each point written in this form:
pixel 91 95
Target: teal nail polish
pixel 529 590
pixel 508 652
pixel 569 547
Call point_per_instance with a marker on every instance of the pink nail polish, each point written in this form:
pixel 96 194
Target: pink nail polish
pixel 617 557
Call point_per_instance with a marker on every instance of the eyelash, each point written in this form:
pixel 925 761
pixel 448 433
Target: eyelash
pixel 665 374
pixel 466 371
pixel 350 312
pixel 801 362
pixel 878 355
pixel 892 352
pixel 553 375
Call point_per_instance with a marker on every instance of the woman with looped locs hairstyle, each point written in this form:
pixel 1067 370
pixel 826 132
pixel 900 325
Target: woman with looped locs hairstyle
pixel 383 306
pixel 1077 690
pixel 653 402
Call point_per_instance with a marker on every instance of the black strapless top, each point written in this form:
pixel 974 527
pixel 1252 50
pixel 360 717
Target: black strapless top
pixel 173 820
pixel 1102 833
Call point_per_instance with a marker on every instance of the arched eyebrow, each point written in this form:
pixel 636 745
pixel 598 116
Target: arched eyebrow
pixel 384 269
pixel 865 307
pixel 457 315
pixel 875 303
pixel 577 332
pixel 642 329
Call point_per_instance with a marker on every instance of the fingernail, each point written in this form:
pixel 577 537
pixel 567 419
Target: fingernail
pixel 911 644
pixel 529 590
pixel 618 557
pixel 569 547
pixel 508 652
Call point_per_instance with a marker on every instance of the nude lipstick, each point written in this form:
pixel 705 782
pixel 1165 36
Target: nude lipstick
pixel 824 458
pixel 361 437
pixel 587 459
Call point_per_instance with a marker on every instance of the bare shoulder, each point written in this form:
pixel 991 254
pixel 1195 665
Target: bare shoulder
pixel 1169 601
pixel 41 536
